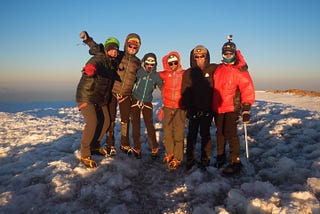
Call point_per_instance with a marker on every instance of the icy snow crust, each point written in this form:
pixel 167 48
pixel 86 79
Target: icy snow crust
pixel 40 171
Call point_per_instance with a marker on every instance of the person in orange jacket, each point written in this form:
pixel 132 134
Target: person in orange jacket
pixel 233 93
pixel 174 116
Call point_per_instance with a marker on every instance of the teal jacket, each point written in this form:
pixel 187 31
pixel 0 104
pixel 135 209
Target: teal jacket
pixel 145 84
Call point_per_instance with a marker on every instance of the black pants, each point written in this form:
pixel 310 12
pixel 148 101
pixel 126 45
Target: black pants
pixel 204 123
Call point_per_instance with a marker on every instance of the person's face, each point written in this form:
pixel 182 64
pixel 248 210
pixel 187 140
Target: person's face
pixel 132 49
pixel 113 53
pixel 173 65
pixel 200 59
pixel 228 54
pixel 228 57
pixel 149 67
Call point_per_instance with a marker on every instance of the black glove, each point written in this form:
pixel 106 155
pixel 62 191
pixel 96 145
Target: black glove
pixel 245 112
pixel 245 116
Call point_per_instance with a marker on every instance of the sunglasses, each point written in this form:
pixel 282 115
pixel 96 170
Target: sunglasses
pixel 228 53
pixel 199 56
pixel 147 64
pixel 133 46
pixel 173 63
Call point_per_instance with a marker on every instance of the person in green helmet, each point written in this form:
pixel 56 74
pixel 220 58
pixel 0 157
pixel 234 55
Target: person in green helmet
pixel 93 95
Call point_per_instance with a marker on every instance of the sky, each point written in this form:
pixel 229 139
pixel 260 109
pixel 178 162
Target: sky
pixel 42 55
pixel 40 170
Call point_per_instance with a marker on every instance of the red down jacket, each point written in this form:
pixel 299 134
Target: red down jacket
pixel 172 80
pixel 228 81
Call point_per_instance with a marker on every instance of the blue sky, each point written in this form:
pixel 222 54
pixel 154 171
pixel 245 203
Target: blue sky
pixel 41 53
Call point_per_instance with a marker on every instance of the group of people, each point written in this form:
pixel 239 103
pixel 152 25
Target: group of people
pixel 204 92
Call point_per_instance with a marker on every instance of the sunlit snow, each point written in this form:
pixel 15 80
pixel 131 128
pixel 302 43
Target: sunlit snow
pixel 40 170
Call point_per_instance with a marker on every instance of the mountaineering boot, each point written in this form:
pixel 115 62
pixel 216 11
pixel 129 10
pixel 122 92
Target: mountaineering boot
pixel 111 151
pixel 232 168
pixel 220 161
pixel 174 164
pixel 168 158
pixel 137 153
pixel 88 162
pixel 126 149
pixel 154 153
pixel 99 151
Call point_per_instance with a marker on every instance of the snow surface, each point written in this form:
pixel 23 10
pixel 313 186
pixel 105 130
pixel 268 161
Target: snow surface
pixel 40 171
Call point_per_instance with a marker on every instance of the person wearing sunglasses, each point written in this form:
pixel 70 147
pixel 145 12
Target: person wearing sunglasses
pixel 197 89
pixel 93 93
pixel 147 80
pixel 174 115
pixel 122 93
pixel 233 93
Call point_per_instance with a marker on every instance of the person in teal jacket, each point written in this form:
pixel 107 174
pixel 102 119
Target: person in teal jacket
pixel 147 80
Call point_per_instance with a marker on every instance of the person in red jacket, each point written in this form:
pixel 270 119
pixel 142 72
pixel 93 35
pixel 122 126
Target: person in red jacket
pixel 174 116
pixel 233 93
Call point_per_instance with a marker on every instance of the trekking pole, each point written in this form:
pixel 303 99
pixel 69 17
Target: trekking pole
pixel 246 139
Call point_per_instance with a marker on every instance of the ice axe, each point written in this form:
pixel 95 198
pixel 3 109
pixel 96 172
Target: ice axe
pixel 246 139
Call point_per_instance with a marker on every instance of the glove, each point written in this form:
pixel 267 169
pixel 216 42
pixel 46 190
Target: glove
pixel 245 117
pixel 86 39
pixel 84 35
pixel 160 114
pixel 89 69
pixel 242 65
pixel 245 112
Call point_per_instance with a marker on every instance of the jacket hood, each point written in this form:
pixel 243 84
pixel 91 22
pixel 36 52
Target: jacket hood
pixel 165 60
pixel 132 36
pixel 193 62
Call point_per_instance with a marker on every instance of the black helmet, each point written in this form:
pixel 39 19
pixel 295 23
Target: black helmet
pixel 229 46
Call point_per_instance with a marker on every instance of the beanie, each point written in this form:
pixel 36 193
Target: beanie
pixel 111 44
pixel 199 49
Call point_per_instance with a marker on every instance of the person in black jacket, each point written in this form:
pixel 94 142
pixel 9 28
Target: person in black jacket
pixel 122 93
pixel 197 89
pixel 93 94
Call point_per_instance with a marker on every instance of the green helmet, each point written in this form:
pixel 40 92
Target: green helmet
pixel 111 43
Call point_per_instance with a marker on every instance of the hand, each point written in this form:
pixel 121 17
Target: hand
pixel 84 35
pixel 89 69
pixel 160 114
pixel 241 61
pixel 245 117
pixel 245 112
